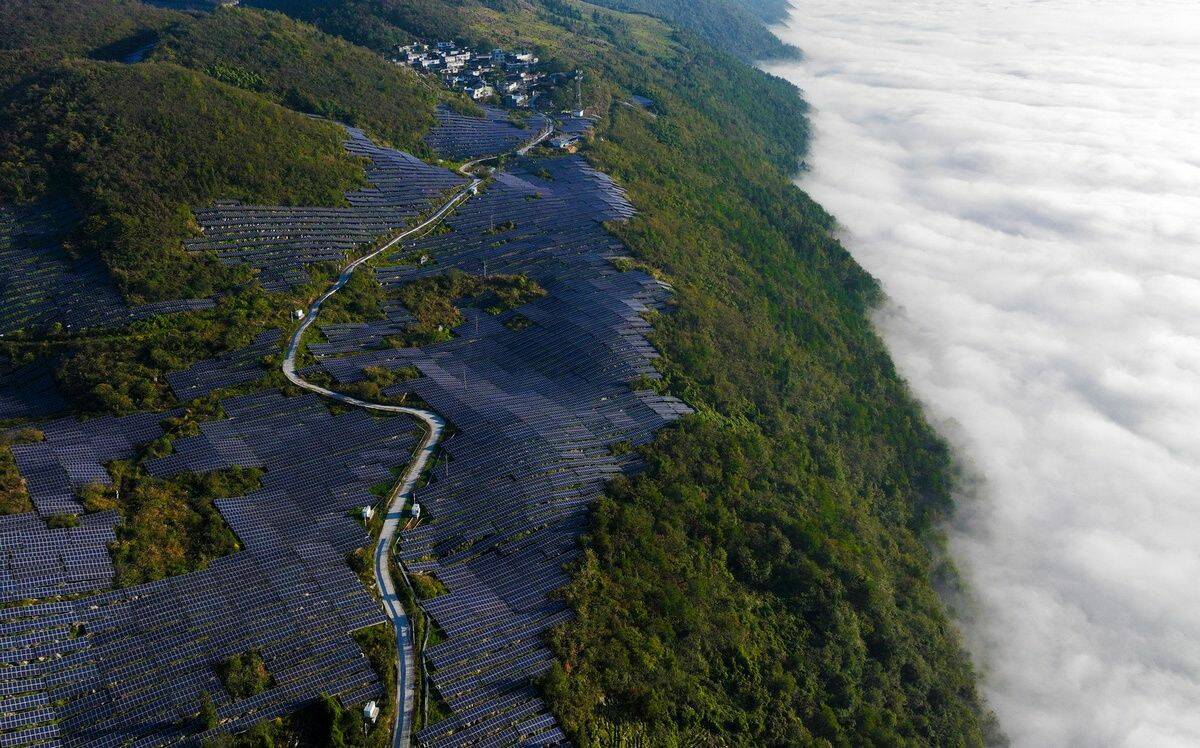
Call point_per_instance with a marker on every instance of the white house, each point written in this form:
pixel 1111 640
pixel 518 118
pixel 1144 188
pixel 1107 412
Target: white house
pixel 480 92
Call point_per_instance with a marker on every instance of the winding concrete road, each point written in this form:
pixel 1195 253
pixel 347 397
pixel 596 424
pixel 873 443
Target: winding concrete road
pixel 434 426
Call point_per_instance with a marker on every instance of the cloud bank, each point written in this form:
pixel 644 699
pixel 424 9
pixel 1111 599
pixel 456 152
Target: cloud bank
pixel 1024 177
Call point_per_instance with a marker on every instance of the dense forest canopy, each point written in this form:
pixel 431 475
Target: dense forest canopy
pixel 725 23
pixel 102 28
pixel 767 579
pixel 298 66
pixel 137 146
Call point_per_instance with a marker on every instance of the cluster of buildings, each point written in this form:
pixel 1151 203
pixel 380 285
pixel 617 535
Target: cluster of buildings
pixel 508 77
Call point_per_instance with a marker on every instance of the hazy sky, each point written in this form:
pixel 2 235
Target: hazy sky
pixel 1024 177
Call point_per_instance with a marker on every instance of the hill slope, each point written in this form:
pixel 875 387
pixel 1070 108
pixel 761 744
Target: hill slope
pixel 724 23
pixel 136 146
pixel 296 65
pixel 767 579
pixel 103 28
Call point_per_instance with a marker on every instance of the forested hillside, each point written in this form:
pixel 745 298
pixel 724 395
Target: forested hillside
pixel 766 579
pixel 376 24
pixel 94 129
pixel 730 25
pixel 104 29
pixel 134 148
pixel 306 70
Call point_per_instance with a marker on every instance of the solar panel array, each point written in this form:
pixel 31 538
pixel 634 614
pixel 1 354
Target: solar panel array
pixel 535 408
pixel 127 667
pixel 40 284
pixel 463 136
pixel 280 240
pixel 570 124
pixel 227 370
pixel 351 336
pixel 36 561
pixel 74 454
pixel 29 391
pixel 324 464
pixel 538 395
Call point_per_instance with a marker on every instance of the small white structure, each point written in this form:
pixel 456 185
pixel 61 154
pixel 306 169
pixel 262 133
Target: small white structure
pixel 565 142
pixel 368 513
pixel 371 711
pixel 479 92
pixel 416 511
pixel 298 314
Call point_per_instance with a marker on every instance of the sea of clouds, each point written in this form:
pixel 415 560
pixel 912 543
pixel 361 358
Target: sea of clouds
pixel 1024 178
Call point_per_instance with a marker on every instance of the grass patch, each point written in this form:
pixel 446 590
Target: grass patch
pixel 433 300
pixel 378 643
pixel 244 675
pixel 427 586
pixel 518 322
pixel 14 495
pixel 169 527
pixel 62 521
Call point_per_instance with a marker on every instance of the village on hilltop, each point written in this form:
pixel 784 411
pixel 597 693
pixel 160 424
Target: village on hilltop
pixel 505 77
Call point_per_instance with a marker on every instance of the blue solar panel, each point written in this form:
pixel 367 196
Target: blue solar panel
pixel 466 136
pixel 537 395
pixel 40 284
pixel 535 409
pixel 280 241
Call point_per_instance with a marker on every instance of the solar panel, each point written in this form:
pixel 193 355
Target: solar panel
pixel 466 136
pixel 40 284
pixel 537 407
pixel 280 241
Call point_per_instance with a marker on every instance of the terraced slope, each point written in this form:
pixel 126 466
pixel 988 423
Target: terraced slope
pixel 537 408
pixel 42 286
pixel 764 578
pixel 463 136
pixel 280 241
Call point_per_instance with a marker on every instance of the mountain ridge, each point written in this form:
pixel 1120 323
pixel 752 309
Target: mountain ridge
pixel 766 579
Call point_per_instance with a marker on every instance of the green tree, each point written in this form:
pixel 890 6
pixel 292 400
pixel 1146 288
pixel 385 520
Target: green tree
pixel 208 712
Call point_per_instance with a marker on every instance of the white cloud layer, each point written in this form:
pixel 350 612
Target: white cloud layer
pixel 1024 177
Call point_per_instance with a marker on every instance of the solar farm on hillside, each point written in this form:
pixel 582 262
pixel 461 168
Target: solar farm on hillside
pixel 543 402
